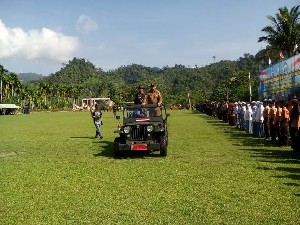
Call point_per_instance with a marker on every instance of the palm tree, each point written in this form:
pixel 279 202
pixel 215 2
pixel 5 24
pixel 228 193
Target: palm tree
pixel 284 32
pixel 15 84
pixel 2 73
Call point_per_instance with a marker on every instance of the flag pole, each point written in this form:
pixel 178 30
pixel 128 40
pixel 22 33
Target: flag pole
pixel 250 91
pixel 189 99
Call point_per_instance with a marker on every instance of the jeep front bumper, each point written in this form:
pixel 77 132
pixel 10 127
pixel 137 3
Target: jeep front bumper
pixel 139 146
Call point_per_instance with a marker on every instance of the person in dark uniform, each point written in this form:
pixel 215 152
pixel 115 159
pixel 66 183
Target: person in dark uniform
pixel 139 96
pixel 138 100
pixel 97 115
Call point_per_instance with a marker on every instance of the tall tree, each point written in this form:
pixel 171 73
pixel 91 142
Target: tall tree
pixel 2 74
pixel 284 31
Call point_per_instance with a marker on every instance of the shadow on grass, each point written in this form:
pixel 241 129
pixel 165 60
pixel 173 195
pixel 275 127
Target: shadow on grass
pixel 265 151
pixel 275 156
pixel 106 150
pixel 280 157
pixel 83 137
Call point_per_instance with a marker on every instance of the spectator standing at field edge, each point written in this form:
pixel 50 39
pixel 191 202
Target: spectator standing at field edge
pixel 97 115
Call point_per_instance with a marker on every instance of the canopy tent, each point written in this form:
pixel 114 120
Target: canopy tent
pixel 9 106
pixel 92 101
pixel 8 109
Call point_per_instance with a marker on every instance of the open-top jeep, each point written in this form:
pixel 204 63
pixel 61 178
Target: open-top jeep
pixel 144 128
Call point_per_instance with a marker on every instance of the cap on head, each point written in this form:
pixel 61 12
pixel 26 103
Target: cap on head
pixel 141 87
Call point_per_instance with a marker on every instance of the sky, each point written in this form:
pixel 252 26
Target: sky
pixel 39 36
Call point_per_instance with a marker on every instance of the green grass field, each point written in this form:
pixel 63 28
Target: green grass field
pixel 52 171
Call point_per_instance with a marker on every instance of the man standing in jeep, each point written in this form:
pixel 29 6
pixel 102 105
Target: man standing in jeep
pixel 153 97
pixel 139 96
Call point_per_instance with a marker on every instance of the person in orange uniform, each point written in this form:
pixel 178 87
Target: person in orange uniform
pixel 153 97
pixel 272 115
pixel 284 125
pixel 266 113
pixel 294 108
pixel 278 119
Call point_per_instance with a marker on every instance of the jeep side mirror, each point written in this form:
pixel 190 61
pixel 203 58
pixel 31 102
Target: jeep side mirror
pixel 118 117
pixel 167 114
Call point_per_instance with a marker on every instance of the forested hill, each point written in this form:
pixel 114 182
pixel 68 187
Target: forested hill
pixel 76 71
pixel 216 81
pixel 25 77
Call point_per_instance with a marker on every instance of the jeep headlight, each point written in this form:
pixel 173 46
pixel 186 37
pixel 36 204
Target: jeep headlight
pixel 150 128
pixel 126 129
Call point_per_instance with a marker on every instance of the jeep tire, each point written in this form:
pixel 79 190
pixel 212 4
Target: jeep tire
pixel 163 146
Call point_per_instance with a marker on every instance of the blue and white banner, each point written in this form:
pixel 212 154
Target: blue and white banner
pixel 280 80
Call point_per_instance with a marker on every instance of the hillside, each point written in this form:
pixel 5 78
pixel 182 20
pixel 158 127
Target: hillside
pixel 25 77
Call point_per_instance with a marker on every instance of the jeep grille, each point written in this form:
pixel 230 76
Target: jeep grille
pixel 139 133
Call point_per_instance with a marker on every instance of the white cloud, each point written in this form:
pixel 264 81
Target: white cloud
pixel 42 44
pixel 85 23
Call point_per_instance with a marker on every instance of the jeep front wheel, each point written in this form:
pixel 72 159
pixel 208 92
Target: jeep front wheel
pixel 163 146
pixel 117 152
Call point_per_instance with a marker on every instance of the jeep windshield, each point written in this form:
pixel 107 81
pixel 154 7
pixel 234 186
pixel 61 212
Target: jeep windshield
pixel 142 111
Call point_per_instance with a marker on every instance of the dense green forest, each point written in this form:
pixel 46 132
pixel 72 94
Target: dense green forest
pixel 224 80
pixel 210 82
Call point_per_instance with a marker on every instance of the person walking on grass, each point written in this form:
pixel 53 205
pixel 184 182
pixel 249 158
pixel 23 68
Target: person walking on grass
pixel 97 115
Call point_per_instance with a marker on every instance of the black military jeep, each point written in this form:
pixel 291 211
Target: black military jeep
pixel 144 128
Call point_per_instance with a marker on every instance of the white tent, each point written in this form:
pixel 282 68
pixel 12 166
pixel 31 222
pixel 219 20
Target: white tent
pixel 9 106
pixel 92 101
